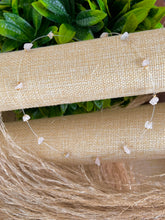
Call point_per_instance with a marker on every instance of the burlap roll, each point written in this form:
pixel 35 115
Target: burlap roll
pixel 89 70
pixel 101 134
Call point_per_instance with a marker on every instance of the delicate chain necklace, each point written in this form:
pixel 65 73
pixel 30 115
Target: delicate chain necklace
pixel 42 140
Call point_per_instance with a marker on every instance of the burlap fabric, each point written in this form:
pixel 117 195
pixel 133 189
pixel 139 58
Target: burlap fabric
pixel 89 70
pixel 82 71
pixel 96 134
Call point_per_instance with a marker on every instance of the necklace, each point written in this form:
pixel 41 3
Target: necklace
pixel 42 140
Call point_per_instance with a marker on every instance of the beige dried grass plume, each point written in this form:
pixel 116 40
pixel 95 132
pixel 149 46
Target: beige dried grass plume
pixel 35 189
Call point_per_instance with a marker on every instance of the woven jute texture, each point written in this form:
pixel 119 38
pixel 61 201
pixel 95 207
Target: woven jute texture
pixel 100 134
pixel 89 70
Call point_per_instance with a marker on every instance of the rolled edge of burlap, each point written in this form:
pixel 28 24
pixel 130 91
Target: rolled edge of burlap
pixel 83 71
pixel 87 136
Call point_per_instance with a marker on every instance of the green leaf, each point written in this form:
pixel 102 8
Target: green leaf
pixel 106 103
pixel 27 9
pixel 80 104
pixel 145 25
pixel 158 26
pixel 54 29
pixel 70 7
pixel 156 14
pixel 9 45
pixel 124 10
pixel 99 104
pixel 81 7
pixel 118 6
pixel 90 17
pixel 145 3
pixel 5 4
pixel 153 11
pixel 11 31
pixel 101 5
pixel 131 24
pixel 133 2
pixel 57 38
pixel 43 11
pixel 96 28
pixel 107 30
pixel 63 108
pixel 55 111
pixel 106 8
pixel 44 111
pixel 92 5
pixel 57 7
pixel 66 33
pixel 20 23
pixel 45 40
pixel 37 20
pixel 35 114
pixel 90 106
pixel 1 15
pixel 8 2
pixel 140 13
pixel 73 106
pixel 83 33
pixel 15 7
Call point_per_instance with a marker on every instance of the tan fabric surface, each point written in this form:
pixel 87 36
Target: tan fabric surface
pixel 82 71
pixel 100 134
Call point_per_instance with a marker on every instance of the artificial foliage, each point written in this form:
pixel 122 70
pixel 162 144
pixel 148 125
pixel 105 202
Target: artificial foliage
pixel 22 21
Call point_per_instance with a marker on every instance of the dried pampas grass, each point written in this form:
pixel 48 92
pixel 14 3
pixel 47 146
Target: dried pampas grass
pixel 34 189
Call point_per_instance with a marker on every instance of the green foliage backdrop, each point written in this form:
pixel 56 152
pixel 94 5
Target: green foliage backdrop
pixel 22 21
